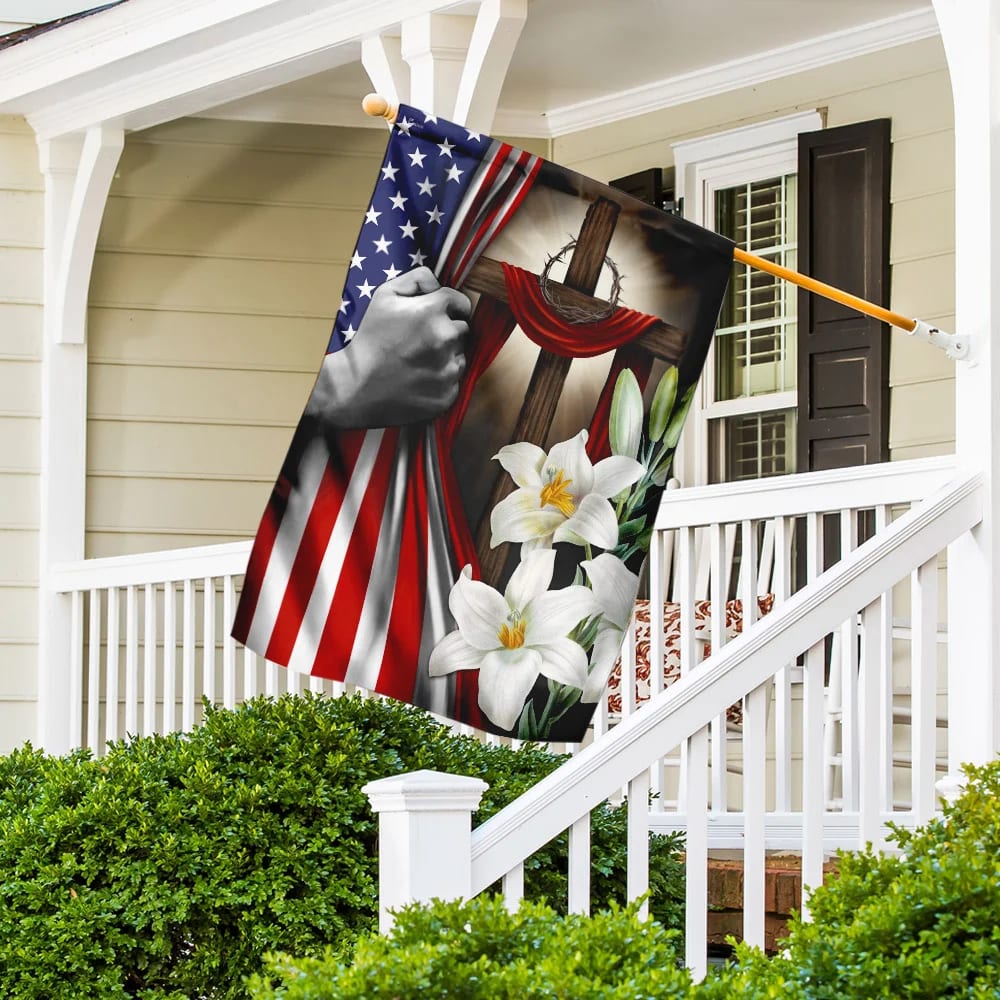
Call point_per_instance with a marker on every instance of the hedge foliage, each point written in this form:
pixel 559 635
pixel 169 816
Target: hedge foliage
pixel 167 868
pixel 479 951
pixel 923 924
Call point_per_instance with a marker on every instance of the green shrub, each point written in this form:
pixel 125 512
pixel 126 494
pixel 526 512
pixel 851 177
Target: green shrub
pixel 924 924
pixel 169 867
pixel 479 951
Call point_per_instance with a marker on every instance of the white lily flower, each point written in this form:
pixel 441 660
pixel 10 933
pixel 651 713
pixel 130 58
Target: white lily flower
pixel 513 637
pixel 615 587
pixel 562 496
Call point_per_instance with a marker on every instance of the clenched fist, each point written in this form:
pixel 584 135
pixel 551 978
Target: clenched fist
pixel 405 363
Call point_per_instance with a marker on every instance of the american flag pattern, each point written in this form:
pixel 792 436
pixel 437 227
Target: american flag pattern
pixel 351 569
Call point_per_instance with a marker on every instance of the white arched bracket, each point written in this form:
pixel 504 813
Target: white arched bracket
pixel 74 226
pixel 383 62
pixel 453 65
pixel 78 171
pixel 494 38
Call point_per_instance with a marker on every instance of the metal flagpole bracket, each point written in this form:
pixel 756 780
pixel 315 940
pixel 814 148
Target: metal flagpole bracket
pixel 956 346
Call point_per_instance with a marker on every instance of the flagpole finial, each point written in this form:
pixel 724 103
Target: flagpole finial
pixel 378 107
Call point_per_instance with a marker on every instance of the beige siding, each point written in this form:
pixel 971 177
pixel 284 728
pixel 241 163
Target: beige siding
pixel 21 220
pixel 218 270
pixel 908 84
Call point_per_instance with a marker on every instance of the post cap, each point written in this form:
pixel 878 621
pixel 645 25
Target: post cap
pixel 425 791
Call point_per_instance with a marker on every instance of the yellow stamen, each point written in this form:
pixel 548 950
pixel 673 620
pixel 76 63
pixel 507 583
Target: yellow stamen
pixel 512 636
pixel 555 492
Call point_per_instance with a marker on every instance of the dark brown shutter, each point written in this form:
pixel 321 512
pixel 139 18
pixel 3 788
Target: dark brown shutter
pixel 646 185
pixel 843 356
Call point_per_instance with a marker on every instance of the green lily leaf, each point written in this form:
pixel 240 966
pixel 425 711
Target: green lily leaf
pixel 663 403
pixel 527 725
pixel 630 529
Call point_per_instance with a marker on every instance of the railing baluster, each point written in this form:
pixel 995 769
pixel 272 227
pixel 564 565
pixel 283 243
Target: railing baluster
pixel 187 657
pixel 271 679
pixel 637 836
pixel 813 783
pixel 111 653
pixel 694 778
pixel 131 662
pixel 149 661
pixel 169 657
pixel 754 757
pixel 886 687
pixel 208 640
pixel 600 720
pixel 656 651
pixel 696 852
pixel 869 730
pixel 94 674
pixel 249 674
pixel 781 587
pixel 718 592
pixel 228 643
pixel 685 597
pixel 513 887
pixel 76 670
pixel 754 802
pixel 578 876
pixel 629 669
pixel 293 681
pixel 316 684
pixel 849 768
pixel 923 699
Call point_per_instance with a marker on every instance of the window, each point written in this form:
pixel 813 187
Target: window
pixel 753 361
pixel 743 184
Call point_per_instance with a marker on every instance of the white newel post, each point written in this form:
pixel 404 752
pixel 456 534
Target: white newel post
pixel 970 30
pixel 424 837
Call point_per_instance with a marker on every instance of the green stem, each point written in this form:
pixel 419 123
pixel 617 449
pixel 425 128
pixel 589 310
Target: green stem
pixel 588 550
pixel 549 705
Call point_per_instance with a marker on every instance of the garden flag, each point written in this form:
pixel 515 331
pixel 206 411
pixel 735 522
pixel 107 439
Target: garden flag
pixel 469 495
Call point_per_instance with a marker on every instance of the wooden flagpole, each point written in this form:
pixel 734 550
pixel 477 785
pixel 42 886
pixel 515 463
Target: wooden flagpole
pixel 827 291
pixel 955 346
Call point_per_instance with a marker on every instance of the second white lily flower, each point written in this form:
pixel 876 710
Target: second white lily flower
pixel 513 637
pixel 562 496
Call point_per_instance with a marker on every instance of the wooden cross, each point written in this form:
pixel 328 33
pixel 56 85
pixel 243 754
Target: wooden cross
pixel 538 410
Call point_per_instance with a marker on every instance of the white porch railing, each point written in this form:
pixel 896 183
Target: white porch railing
pixel 836 733
pixel 783 803
pixel 151 639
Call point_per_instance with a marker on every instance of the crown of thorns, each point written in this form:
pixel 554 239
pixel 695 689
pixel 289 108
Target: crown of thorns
pixel 577 313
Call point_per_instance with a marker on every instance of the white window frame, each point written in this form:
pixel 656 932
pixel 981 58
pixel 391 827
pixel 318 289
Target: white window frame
pixel 701 167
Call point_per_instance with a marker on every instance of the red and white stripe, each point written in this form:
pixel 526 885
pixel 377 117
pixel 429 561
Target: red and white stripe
pixel 351 570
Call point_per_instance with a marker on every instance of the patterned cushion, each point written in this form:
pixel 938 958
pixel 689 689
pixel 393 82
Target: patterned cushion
pixel 672 649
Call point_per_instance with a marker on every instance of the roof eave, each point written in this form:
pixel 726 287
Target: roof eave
pixel 149 61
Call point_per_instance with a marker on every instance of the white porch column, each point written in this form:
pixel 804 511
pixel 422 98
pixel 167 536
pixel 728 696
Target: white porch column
pixel 452 65
pixel 78 172
pixel 424 837
pixel 971 33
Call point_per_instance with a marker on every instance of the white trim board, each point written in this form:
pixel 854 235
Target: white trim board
pixel 668 92
pixel 759 68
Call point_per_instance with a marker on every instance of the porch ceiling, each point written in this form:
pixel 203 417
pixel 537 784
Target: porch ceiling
pixel 578 62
